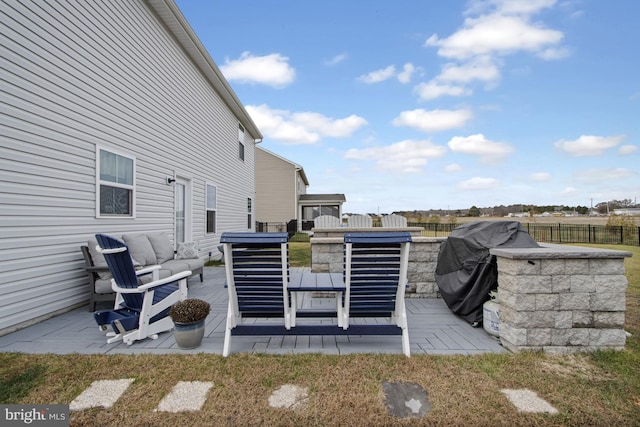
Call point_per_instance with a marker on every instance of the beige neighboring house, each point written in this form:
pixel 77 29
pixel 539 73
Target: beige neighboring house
pixel 281 193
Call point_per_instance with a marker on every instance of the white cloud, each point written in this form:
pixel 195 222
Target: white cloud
pixel 453 167
pixel 448 82
pixel 407 156
pixel 276 124
pixel 540 176
pixel 389 72
pixel 554 53
pixel 335 60
pixel 492 29
pixel 479 183
pixel 589 145
pixel 625 150
pixel 603 174
pixel 272 70
pixel 481 68
pixel 378 76
pixel 495 34
pixel 326 126
pixel 478 145
pixel 433 90
pixel 407 72
pixel 433 121
pixel 569 191
pixel 303 127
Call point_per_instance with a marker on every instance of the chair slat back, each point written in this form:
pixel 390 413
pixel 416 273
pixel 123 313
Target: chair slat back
pixel 394 220
pixel 257 270
pixel 375 270
pixel 121 266
pixel 360 221
pixel 327 221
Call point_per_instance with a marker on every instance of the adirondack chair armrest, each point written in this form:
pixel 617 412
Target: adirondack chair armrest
pixel 110 251
pixel 96 269
pixel 154 270
pixel 143 288
pixel 148 269
pixel 170 279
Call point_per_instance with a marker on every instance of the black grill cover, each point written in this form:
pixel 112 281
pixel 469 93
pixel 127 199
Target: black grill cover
pixel 466 272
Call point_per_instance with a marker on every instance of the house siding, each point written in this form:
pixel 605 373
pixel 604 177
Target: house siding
pixel 276 193
pixel 108 74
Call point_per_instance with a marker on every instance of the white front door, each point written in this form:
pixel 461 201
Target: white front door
pixel 182 208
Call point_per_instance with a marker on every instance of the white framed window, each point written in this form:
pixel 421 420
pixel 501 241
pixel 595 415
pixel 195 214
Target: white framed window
pixel 240 142
pixel 249 214
pixel 115 184
pixel 211 208
pixel 241 151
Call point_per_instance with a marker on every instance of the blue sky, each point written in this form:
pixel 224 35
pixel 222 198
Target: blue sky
pixel 426 104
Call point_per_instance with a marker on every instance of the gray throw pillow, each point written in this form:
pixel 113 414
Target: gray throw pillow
pixel 187 250
pixel 140 248
pixel 161 246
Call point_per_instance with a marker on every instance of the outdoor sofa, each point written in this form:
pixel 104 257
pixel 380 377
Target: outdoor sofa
pixel 146 250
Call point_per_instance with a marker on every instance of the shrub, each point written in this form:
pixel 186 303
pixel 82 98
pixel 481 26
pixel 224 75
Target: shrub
pixel 189 310
pixel 621 221
pixel 627 222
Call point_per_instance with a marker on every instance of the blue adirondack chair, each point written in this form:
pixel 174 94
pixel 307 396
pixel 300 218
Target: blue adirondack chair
pixel 141 310
pixel 375 274
pixel 257 274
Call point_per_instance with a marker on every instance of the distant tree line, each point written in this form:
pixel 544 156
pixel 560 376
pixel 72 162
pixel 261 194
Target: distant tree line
pixel 602 208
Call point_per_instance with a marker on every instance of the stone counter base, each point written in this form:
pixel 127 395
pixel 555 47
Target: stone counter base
pixel 326 256
pixel 561 299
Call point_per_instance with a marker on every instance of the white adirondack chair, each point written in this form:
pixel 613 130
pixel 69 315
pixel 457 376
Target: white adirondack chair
pixel 360 221
pixel 326 221
pixel 394 220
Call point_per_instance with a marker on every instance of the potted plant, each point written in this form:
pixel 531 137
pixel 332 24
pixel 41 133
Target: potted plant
pixel 188 318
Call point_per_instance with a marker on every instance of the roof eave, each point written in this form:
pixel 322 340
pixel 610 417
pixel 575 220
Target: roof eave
pixel 177 24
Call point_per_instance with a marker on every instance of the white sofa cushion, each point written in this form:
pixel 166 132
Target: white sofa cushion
pixel 140 249
pixel 161 246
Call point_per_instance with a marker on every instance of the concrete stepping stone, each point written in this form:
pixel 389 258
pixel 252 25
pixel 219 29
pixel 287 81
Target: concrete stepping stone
pixel 185 396
pixel 289 396
pixel 528 401
pixel 102 393
pixel 406 400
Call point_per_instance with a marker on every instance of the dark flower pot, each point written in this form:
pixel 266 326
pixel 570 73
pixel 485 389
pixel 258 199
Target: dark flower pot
pixel 189 335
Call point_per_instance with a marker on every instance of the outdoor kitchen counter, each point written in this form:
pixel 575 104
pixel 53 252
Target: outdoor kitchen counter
pixel 561 299
pixel 553 251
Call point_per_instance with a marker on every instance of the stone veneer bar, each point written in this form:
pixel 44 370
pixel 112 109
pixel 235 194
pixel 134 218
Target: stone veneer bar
pixel 561 299
pixel 326 256
pixel 556 298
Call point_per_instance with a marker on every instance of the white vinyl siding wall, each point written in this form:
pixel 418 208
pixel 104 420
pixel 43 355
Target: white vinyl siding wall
pixel 102 73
